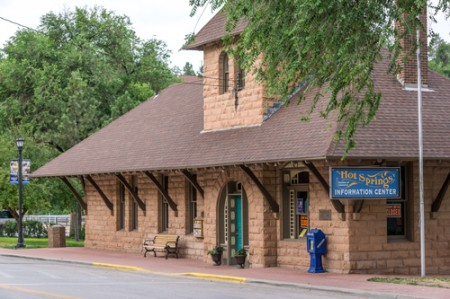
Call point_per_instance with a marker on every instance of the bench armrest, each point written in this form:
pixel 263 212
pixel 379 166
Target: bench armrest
pixel 171 244
pixel 149 242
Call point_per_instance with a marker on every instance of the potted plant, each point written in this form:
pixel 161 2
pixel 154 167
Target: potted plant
pixel 239 256
pixel 216 254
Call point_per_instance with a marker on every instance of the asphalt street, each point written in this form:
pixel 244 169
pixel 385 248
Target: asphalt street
pixel 31 279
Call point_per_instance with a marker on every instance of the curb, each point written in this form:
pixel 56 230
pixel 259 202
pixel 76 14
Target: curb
pixel 334 290
pixel 46 259
pixel 235 279
pixel 215 277
pixel 119 267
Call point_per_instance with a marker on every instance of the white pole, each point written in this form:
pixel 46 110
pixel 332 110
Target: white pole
pixel 421 195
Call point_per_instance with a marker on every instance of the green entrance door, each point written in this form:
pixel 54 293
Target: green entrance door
pixel 232 220
pixel 239 228
pixel 235 223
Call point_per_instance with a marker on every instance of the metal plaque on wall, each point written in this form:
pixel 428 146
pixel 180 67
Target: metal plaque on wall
pixel 324 214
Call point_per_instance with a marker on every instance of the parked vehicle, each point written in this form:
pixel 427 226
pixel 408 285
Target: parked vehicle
pixel 5 214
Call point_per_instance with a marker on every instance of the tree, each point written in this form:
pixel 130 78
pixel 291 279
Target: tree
pixel 60 83
pixel 439 54
pixel 200 71
pixel 188 69
pixel 41 195
pixel 331 45
pixel 78 72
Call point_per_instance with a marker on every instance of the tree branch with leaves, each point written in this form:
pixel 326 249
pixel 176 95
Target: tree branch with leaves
pixel 330 45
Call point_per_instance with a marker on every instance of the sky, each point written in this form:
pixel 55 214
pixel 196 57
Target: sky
pixel 166 20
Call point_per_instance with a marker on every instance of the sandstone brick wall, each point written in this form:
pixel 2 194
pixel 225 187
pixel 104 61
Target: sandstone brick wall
pixel 293 253
pixel 262 224
pixel 356 242
pixel 101 224
pixel 438 224
pixel 371 251
pixel 219 109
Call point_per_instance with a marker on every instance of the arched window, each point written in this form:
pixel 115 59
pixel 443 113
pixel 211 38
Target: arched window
pixel 224 73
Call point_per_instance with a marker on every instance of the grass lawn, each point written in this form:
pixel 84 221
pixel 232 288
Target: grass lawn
pixel 438 282
pixel 7 242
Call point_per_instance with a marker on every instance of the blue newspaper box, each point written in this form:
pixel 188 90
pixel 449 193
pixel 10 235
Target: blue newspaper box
pixel 317 246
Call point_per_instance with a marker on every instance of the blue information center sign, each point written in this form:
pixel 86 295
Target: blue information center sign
pixel 364 183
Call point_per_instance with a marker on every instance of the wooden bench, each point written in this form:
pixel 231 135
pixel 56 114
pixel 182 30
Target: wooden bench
pixel 162 242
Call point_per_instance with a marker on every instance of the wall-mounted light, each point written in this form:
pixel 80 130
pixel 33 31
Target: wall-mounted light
pixel 286 178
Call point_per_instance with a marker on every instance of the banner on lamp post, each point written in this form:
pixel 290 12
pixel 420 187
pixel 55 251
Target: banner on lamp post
pixel 14 172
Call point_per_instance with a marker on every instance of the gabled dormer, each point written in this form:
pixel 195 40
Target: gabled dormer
pixel 232 98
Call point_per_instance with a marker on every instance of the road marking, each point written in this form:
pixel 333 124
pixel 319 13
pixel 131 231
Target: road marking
pixel 49 275
pixel 91 274
pixel 6 275
pixel 36 292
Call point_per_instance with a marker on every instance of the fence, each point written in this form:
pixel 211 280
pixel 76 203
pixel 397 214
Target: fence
pixel 52 219
pixel 63 220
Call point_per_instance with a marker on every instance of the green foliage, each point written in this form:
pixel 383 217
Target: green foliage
pixel 81 70
pixel 218 249
pixel 39 194
pixel 241 251
pixel 59 84
pixel 82 233
pixel 9 229
pixel 439 282
pixel 31 229
pixel 439 55
pixel 200 70
pixel 36 243
pixel 330 45
pixel 35 229
pixel 188 69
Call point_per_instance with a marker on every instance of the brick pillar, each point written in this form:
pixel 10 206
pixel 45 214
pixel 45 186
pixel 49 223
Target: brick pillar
pixel 57 236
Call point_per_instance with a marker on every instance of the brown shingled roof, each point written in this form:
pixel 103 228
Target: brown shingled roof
pixel 213 31
pixel 394 132
pixel 165 132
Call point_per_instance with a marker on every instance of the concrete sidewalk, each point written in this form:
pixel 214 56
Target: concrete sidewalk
pixel 354 284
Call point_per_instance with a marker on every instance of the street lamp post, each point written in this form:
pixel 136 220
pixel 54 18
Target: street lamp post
pixel 20 143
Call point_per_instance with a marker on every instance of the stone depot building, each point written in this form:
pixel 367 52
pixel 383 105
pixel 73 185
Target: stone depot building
pixel 216 152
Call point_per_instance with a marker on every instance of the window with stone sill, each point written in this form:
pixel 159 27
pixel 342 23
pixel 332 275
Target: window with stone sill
pixel 192 205
pixel 165 205
pixel 134 208
pixel 120 207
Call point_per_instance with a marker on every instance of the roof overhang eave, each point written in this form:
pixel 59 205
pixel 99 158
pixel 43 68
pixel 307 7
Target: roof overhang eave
pixel 193 166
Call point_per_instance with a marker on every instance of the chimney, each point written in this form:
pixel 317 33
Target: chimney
pixel 408 59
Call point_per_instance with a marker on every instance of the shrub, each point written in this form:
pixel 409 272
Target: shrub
pixel 10 228
pixel 34 229
pixel 218 249
pixel 31 229
pixel 241 251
